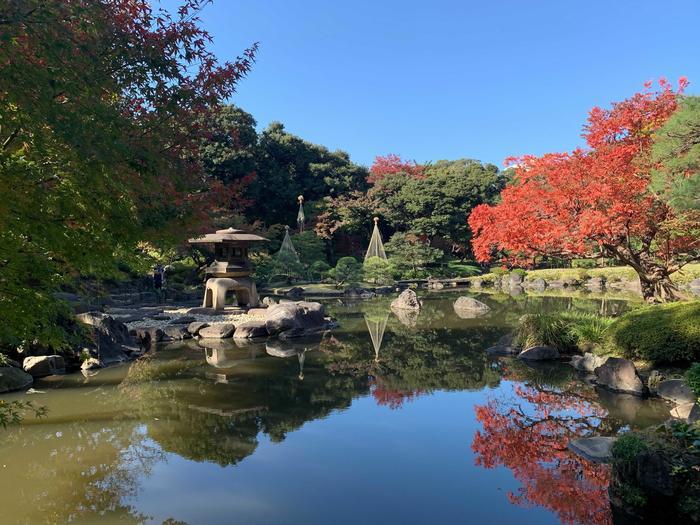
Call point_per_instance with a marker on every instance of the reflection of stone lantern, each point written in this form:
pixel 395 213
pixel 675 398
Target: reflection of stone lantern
pixel 231 268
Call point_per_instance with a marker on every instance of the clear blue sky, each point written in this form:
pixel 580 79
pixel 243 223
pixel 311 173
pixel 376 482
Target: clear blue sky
pixel 443 79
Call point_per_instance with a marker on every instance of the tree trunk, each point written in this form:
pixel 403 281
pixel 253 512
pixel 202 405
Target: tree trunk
pixel 656 284
pixel 654 276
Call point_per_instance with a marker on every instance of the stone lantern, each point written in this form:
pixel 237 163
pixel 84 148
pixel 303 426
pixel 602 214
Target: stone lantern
pixel 231 268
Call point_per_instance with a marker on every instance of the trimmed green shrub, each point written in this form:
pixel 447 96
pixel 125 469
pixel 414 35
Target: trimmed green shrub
pixel 498 271
pixel 667 333
pixel 318 270
pixel 583 263
pixel 627 448
pixel 347 271
pixel 692 378
pixel 519 271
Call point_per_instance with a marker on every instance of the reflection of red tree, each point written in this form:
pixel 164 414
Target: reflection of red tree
pixel 530 439
pixel 384 395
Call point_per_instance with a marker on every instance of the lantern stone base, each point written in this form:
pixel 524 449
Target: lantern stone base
pixel 218 287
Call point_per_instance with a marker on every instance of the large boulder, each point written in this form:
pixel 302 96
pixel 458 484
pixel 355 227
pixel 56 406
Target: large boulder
pixel 538 284
pixel 597 449
pixel 176 333
pixel 287 316
pixel 217 331
pixel 250 329
pixel 515 279
pixel 469 304
pixel 296 291
pixel 148 336
pixel 539 353
pixel 587 362
pixel 112 338
pixel 407 300
pixel 694 286
pixel 503 347
pixel 44 365
pixel 619 375
pixel 269 301
pixel 12 379
pixel 195 327
pixel 676 391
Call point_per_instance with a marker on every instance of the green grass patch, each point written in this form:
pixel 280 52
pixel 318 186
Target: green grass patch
pixel 462 269
pixel 668 333
pixel 565 331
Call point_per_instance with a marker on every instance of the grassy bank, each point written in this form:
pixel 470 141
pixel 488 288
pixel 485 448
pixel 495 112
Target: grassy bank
pixel 660 334
pixel 610 274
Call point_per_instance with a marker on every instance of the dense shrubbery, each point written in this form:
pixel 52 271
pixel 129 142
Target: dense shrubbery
pixel 661 333
pixel 654 473
pixel 692 377
pixel 565 331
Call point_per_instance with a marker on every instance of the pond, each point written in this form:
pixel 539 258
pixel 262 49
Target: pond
pixel 387 419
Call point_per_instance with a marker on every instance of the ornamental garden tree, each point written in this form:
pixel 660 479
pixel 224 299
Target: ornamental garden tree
pixel 596 201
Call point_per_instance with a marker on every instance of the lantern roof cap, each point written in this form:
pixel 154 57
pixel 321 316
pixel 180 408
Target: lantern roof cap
pixel 227 235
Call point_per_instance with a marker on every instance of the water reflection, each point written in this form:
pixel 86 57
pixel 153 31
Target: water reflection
pixel 231 400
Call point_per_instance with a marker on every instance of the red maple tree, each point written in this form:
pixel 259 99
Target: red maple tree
pixel 596 201
pixel 392 164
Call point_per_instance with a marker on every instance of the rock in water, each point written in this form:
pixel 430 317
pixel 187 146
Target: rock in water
pixel 12 378
pixel 111 337
pixel 539 353
pixel 195 327
pixel 468 307
pixel 598 449
pixel 217 331
pixel 299 315
pixel 619 375
pixel 176 333
pixel 91 364
pixel 407 300
pixel 676 390
pixel 587 362
pixel 44 365
pixel 250 329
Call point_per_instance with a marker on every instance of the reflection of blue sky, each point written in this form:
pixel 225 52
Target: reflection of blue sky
pixel 368 464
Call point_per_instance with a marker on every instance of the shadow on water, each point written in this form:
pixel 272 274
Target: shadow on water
pixel 218 403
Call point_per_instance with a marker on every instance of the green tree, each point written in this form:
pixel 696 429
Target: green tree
pixel 289 166
pixel 377 270
pixel 677 151
pixel 411 257
pixel 309 247
pixel 437 206
pixel 347 270
pixel 100 111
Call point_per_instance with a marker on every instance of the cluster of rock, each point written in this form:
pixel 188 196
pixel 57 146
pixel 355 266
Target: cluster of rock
pixel 515 283
pixel 112 342
pixel 285 320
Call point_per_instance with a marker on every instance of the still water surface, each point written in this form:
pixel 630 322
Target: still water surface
pixel 388 419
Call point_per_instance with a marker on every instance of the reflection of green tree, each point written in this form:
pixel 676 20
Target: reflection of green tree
pixel 88 469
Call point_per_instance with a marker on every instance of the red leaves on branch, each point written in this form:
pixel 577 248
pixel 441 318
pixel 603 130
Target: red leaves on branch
pixel 392 164
pixel 590 201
